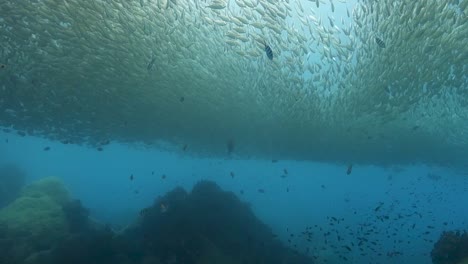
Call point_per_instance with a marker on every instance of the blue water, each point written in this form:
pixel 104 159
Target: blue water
pixel 308 195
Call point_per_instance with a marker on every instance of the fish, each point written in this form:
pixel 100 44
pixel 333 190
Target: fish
pixel 261 191
pixel 131 177
pixel 46 148
pixel 380 42
pixel 350 169
pixel 182 99
pixel 163 207
pixel 151 63
pixel 268 51
pixel 217 5
pixel 230 146
pixel 2 66
pixel 163 176
pixel 378 207
pixel 99 149
pixel 232 174
pixel 144 211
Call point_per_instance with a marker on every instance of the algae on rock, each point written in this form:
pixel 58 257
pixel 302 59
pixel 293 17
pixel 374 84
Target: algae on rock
pixel 50 186
pixel 36 221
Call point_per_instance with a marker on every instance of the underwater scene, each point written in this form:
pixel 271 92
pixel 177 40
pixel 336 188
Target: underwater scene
pixel 233 131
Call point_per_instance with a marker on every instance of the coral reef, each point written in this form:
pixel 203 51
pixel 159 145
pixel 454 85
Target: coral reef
pixel 35 221
pixel 50 186
pixel 208 225
pixel 205 226
pixel 451 248
pixel 12 180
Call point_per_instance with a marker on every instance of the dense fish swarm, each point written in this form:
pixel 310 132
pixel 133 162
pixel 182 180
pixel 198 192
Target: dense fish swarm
pixel 195 73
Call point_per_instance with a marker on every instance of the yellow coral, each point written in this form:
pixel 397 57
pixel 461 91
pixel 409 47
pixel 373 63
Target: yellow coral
pixel 36 219
pixel 50 186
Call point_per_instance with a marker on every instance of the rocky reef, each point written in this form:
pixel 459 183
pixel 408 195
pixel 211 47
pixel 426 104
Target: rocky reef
pixel 206 225
pixel 451 248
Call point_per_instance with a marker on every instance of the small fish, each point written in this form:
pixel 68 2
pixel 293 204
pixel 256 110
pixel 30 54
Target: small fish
pixel 380 42
pixel 268 51
pixel 182 99
pixel 100 149
pixel 241 191
pixel 136 191
pixel 261 191
pixel 274 161
pixel 232 174
pixel 163 208
pixel 163 176
pixel 185 147
pixel 217 5
pixel 131 177
pixel 46 148
pixel 144 211
pixel 151 63
pixel 378 208
pixel 2 66
pixel 230 146
pixel 350 169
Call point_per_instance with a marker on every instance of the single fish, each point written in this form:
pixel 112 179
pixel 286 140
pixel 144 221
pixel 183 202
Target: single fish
pixel 151 63
pixel 163 208
pixel 380 42
pixel 144 211
pixel 268 51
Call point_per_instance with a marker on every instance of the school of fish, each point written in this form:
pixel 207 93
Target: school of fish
pixel 364 81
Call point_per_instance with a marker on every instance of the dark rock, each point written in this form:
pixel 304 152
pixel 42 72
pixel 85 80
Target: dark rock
pixel 451 248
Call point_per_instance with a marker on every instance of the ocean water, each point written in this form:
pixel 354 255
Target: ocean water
pixel 233 131
pixel 415 203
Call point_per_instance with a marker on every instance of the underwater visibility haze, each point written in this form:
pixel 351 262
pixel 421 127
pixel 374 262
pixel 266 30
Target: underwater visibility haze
pixel 233 131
